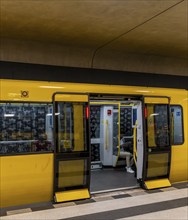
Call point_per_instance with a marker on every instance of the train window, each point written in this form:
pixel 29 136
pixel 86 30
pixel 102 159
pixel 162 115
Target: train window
pixel 71 130
pixel 25 128
pixel 177 124
pixel 156 166
pixel 157 125
pixel 126 121
pixel 72 173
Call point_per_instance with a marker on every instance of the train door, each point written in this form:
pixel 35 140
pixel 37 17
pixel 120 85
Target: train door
pixel 110 123
pixel 71 150
pixel 158 144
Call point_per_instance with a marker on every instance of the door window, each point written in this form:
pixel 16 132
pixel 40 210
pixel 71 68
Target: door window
pixel 157 125
pixel 71 129
pixel 158 164
pixel 72 173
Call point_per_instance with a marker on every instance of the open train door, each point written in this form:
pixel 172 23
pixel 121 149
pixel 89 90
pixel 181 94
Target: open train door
pixel 157 155
pixel 71 150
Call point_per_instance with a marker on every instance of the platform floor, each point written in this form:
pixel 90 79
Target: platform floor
pixel 111 178
pixel 166 203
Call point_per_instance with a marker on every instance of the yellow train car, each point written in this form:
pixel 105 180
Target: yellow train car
pixel 57 139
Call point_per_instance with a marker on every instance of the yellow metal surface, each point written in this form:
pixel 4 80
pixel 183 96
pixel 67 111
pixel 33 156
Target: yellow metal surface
pixel 179 154
pixel 156 100
pixel 157 165
pixel 26 179
pixel 43 91
pixel 78 118
pixel 71 98
pixel 104 103
pixel 72 195
pixel 71 173
pixel 151 126
pixel 126 105
pixel 154 184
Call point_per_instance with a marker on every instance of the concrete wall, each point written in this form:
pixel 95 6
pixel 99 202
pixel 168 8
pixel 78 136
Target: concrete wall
pixel 62 55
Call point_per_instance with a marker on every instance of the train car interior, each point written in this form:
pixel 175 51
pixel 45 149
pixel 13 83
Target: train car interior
pixel 116 135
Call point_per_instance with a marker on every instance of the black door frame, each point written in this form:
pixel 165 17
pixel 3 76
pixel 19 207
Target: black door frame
pixel 146 153
pixel 65 156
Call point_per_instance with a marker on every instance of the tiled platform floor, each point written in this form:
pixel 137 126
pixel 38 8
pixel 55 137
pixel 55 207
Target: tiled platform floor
pixel 135 203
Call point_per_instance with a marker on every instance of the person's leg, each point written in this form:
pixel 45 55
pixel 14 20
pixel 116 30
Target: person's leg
pixel 127 155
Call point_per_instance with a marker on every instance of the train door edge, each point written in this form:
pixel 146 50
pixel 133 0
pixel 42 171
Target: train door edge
pixel 71 146
pixel 138 142
pixel 157 149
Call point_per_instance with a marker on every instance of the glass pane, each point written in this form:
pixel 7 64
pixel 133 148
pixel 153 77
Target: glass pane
pixel 25 128
pixel 72 173
pixel 95 121
pixel 71 127
pixel 157 125
pixel 126 121
pixel 115 130
pixel 157 165
pixel 177 124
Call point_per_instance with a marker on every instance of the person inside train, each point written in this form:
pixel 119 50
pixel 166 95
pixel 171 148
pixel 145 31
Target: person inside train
pixel 125 148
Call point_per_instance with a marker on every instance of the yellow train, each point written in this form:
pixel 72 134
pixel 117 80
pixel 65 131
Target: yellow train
pixel 62 141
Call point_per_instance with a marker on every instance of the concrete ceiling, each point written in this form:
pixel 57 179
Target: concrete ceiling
pixel 132 35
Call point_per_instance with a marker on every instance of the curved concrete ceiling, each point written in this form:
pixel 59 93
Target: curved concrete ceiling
pixel 130 35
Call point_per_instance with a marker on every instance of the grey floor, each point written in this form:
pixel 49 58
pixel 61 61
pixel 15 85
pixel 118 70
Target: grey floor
pixel 111 178
pixel 165 203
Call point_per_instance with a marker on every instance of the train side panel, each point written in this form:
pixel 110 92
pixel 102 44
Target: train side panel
pixel 26 179
pixel 179 158
pixel 29 178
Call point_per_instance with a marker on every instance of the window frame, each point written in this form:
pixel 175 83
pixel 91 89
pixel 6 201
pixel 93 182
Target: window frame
pixel 27 153
pixel 56 130
pixel 168 124
pixel 157 147
pixel 182 123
